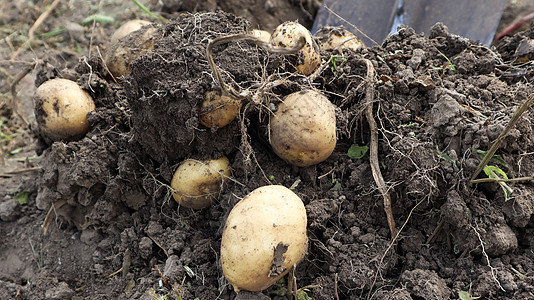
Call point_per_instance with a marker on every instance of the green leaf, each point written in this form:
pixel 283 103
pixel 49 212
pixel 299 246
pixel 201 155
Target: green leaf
pixel 22 197
pixel 496 159
pixel 13 152
pixel 357 152
pixel 493 172
pixel 337 185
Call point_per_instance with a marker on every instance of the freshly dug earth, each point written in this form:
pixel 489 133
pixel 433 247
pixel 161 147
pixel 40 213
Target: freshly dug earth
pixel 438 101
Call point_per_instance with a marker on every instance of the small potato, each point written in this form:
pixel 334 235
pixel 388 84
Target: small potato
pixel 263 35
pixel 218 110
pixel 198 183
pixel 338 38
pixel 303 129
pixel 61 109
pixel 120 55
pixel 264 237
pixel 288 35
pixel 127 28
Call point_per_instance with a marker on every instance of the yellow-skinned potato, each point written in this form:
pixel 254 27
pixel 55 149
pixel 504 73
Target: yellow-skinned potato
pixel 218 110
pixel 288 35
pixel 264 237
pixel 127 28
pixel 198 183
pixel 303 129
pixel 338 38
pixel 121 54
pixel 61 109
pixel 263 35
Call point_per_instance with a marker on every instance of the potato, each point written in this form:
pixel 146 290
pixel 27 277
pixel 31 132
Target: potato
pixel 288 35
pixel 264 237
pixel 218 110
pixel 303 129
pixel 263 35
pixel 127 28
pixel 199 183
pixel 120 55
pixel 61 109
pixel 338 38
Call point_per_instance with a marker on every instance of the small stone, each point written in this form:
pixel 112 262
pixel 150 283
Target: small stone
pixel 9 210
pixel 61 292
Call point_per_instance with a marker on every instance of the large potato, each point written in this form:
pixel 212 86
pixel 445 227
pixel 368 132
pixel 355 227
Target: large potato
pixel 61 109
pixel 287 35
pixel 264 237
pixel 218 110
pixel 338 38
pixel 127 28
pixel 303 129
pixel 121 54
pixel 198 183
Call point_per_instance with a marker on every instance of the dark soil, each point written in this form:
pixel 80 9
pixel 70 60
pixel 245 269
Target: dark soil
pixel 116 231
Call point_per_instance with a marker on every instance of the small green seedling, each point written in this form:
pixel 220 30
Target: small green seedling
pixel 448 60
pixel 335 59
pixel 357 152
pixel 337 185
pixel 497 173
pixel 447 158
pixel 463 295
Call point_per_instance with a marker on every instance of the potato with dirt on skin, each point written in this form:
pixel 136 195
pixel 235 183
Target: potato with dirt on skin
pixel 288 35
pixel 338 38
pixel 218 110
pixel 264 237
pixel 128 49
pixel 127 28
pixel 197 184
pixel 61 107
pixel 303 129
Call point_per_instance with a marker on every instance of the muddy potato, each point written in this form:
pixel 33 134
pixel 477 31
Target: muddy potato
pixel 263 35
pixel 338 38
pixel 127 28
pixel 61 109
pixel 264 237
pixel 288 35
pixel 198 183
pixel 218 110
pixel 121 54
pixel 303 129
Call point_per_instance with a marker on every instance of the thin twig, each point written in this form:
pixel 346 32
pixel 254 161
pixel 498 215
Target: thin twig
pixel 481 180
pixel 14 102
pixel 515 118
pixel 373 147
pixel 31 32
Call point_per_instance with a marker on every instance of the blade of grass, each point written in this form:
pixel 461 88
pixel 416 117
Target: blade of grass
pixel 148 12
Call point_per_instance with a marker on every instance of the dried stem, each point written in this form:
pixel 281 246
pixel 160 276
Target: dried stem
pixel 31 32
pixel 14 102
pixel 373 147
pixel 515 118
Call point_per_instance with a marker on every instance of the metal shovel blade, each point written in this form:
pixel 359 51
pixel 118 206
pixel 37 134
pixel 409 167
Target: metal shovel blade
pixel 474 19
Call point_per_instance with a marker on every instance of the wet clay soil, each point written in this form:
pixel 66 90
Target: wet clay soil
pixel 439 101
